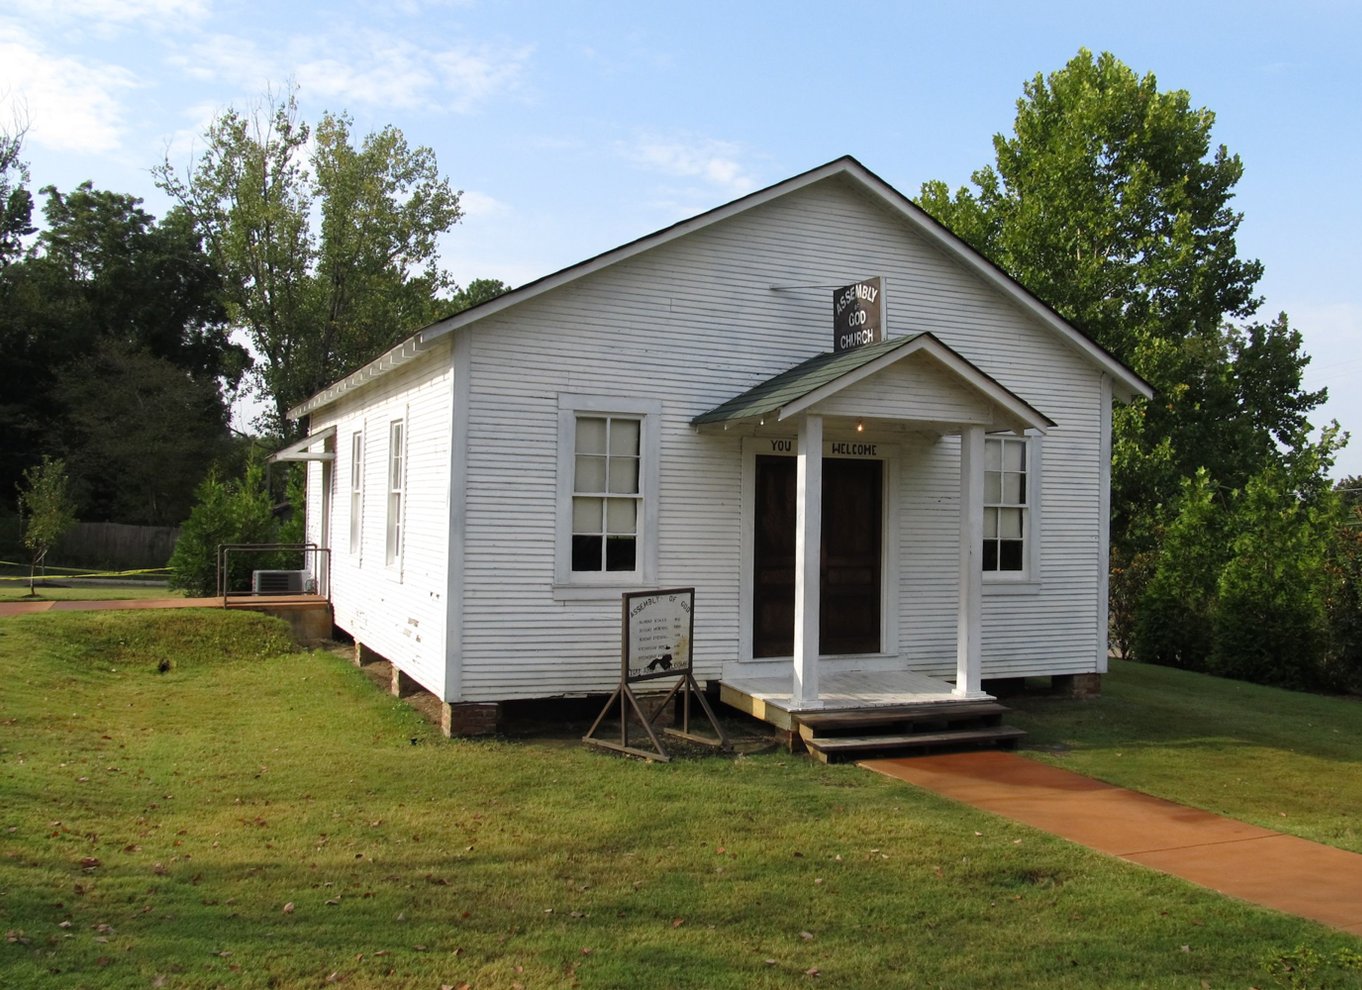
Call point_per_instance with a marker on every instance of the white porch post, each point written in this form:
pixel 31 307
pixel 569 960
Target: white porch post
pixel 808 553
pixel 969 644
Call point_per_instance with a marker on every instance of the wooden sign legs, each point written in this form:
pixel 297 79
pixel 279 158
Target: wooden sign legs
pixel 628 701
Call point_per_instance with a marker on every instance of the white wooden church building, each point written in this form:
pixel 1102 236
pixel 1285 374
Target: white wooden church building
pixel 925 504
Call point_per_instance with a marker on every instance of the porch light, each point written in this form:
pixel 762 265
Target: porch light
pixel 860 426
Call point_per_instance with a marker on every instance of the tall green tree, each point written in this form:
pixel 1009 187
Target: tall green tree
pixel 329 256
pixel 137 433
pixel 1111 203
pixel 477 292
pixel 16 202
pixel 104 276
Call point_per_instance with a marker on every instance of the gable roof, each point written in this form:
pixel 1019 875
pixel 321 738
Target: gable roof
pixel 810 382
pixel 1126 383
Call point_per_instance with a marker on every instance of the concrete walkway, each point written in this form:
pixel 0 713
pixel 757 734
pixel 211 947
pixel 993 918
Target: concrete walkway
pixel 1254 864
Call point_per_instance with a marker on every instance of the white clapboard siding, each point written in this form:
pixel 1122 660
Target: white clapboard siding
pixel 687 325
pixel 398 611
pixel 693 323
pixel 917 388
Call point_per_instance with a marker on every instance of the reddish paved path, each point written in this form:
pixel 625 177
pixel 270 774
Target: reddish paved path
pixel 24 608
pixel 1254 864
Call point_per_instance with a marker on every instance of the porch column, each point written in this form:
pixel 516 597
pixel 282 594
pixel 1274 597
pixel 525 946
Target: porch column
pixel 969 644
pixel 808 554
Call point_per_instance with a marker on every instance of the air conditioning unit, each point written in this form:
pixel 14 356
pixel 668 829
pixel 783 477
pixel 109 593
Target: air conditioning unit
pixel 282 583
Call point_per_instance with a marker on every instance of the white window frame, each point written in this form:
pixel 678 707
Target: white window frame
pixel 356 492
pixel 1026 580
pixel 397 467
pixel 599 585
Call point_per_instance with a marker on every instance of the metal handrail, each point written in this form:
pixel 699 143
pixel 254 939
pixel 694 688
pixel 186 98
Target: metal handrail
pixel 225 551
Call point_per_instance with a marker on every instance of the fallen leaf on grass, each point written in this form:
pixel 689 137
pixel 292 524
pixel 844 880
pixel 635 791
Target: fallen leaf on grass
pixel 811 971
pixel 678 922
pixel 89 863
pixel 288 908
pixel 806 936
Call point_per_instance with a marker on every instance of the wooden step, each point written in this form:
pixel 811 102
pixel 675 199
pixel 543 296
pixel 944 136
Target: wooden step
pixel 848 747
pixel 822 723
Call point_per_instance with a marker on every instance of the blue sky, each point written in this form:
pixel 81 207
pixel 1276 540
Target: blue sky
pixel 573 127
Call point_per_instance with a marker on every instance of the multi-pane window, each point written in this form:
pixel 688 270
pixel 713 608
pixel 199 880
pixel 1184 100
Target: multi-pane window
pixel 356 489
pixel 606 495
pixel 1005 504
pixel 395 455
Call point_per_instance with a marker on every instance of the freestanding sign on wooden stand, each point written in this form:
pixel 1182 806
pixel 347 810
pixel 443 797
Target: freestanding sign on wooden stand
pixel 655 642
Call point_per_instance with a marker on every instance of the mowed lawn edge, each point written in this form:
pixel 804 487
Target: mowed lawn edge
pixel 1284 760
pixel 186 800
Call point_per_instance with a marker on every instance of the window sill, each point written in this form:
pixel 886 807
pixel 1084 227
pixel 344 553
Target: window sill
pixel 1015 586
pixel 595 592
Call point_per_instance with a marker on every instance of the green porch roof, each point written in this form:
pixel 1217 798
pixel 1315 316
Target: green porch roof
pixel 793 384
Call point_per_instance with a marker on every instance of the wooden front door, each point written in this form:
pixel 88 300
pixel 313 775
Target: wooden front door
pixel 850 560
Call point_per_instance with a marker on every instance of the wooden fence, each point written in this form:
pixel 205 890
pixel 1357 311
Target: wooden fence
pixel 117 546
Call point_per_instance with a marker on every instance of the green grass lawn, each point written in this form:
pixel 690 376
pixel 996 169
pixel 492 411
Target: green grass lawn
pixel 262 817
pixel 1281 759
pixel 17 591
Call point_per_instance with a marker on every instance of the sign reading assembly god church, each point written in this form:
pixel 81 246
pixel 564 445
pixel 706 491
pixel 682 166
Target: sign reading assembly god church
pixel 657 632
pixel 858 314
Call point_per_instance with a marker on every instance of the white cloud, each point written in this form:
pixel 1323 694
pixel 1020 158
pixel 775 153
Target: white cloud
pixel 481 206
pixel 363 69
pixel 687 156
pixel 71 104
pixel 471 75
pixel 105 18
pixel 231 58
pixel 414 8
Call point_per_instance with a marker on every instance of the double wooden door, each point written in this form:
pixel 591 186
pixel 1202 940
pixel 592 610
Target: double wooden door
pixel 850 557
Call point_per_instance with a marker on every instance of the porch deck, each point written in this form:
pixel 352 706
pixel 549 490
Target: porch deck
pixel 771 697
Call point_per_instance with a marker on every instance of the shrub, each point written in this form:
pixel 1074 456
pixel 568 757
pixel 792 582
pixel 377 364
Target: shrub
pixel 233 511
pixel 1172 625
pixel 1270 620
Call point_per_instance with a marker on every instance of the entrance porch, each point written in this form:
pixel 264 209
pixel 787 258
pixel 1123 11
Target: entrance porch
pixel 870 713
pixel 822 511
pixel 770 697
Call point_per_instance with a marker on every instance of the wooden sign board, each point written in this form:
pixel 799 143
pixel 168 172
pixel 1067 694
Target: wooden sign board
pixel 858 312
pixel 656 631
